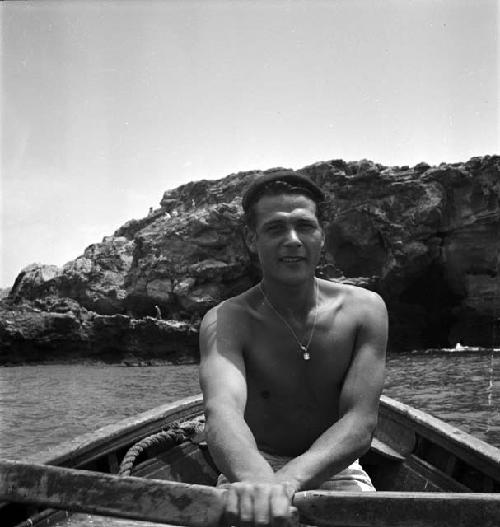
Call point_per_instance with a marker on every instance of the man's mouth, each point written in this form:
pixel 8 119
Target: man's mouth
pixel 291 259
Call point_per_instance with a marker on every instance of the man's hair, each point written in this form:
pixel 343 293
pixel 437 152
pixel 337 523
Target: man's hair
pixel 276 183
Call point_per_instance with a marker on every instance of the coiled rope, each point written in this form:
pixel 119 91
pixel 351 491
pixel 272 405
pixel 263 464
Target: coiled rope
pixel 169 437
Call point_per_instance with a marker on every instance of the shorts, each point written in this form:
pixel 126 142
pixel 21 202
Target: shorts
pixel 351 479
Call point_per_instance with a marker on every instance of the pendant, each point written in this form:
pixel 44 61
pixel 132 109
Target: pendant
pixel 305 353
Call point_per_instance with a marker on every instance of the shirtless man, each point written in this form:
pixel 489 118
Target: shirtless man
pixel 292 368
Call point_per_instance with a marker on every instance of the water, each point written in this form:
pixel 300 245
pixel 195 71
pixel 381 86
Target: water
pixel 462 389
pixel 40 406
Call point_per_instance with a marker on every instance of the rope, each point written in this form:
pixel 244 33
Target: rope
pixel 161 441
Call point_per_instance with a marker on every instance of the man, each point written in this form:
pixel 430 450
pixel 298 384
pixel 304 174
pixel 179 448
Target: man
pixel 292 369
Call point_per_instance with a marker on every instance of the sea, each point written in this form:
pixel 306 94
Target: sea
pixel 41 406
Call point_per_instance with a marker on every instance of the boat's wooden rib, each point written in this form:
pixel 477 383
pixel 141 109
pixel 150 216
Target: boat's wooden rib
pixel 387 452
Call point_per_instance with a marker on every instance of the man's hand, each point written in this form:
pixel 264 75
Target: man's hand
pixel 259 504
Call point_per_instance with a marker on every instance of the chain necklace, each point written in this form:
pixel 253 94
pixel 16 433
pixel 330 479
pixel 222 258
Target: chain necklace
pixel 303 349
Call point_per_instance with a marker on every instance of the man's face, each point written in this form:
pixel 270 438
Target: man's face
pixel 287 237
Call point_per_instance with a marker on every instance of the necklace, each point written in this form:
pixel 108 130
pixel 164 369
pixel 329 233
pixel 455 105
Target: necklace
pixel 303 349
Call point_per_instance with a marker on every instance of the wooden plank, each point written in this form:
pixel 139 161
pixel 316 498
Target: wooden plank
pixel 416 475
pixel 432 477
pixel 392 509
pixel 198 505
pixel 394 433
pixel 113 463
pixel 386 451
pixel 484 457
pixel 108 495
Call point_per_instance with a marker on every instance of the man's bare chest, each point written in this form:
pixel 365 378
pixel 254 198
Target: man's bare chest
pixel 274 357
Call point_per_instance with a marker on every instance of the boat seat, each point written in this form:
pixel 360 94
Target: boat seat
pixel 385 450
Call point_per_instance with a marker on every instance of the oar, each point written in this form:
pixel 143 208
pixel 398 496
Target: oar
pixel 398 509
pixel 198 505
pixel 108 495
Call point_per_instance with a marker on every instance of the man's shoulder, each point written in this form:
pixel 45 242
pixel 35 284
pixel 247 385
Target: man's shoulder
pixel 234 307
pixel 352 295
pixel 365 309
pixel 231 319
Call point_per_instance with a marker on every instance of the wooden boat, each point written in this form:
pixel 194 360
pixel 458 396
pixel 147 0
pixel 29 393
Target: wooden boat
pixel 426 473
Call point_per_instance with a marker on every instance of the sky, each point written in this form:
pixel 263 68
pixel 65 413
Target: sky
pixel 105 105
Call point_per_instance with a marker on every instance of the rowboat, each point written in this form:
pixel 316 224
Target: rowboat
pixel 155 467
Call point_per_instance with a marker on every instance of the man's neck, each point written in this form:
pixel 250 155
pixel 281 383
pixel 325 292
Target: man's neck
pixel 291 299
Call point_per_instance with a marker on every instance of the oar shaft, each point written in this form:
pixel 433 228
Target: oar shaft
pixel 108 495
pixel 393 509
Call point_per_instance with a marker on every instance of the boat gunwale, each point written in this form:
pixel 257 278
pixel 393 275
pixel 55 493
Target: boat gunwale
pixel 102 441
pixel 478 453
pixel 85 447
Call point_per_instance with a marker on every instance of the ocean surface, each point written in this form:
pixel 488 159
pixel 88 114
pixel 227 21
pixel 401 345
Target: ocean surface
pixel 40 406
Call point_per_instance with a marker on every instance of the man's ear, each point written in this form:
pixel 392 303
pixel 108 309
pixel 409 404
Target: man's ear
pixel 250 239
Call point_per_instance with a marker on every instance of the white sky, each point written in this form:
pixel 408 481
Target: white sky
pixel 106 105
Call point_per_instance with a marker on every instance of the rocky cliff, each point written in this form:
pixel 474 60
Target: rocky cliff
pixel 426 238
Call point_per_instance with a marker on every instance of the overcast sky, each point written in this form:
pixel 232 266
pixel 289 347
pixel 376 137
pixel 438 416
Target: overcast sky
pixel 105 105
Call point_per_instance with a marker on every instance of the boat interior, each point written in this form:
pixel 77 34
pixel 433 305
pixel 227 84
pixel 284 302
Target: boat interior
pixel 410 452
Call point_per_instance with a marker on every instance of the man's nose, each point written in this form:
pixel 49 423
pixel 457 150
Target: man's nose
pixel 292 238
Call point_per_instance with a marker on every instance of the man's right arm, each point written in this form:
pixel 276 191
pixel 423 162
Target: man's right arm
pixel 222 380
pixel 253 497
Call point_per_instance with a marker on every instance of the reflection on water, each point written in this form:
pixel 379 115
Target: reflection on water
pixel 40 406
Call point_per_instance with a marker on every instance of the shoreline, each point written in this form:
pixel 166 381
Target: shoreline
pixel 138 363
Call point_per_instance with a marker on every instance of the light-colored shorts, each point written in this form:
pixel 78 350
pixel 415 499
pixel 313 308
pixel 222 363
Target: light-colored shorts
pixel 351 479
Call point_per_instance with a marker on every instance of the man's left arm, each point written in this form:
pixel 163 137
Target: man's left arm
pixel 350 437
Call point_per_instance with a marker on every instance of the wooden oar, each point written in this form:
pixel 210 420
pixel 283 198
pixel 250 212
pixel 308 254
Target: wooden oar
pixel 108 495
pixel 198 505
pixel 398 509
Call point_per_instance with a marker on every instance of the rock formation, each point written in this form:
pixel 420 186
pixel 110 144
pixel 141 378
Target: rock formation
pixel 426 238
pixel 60 330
